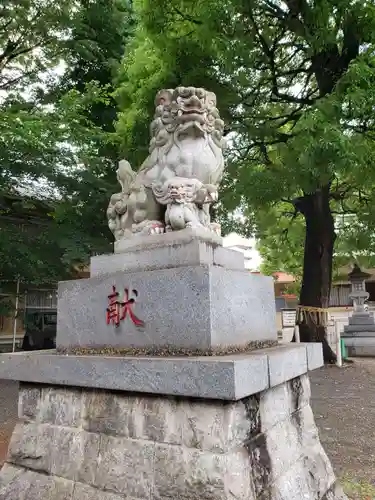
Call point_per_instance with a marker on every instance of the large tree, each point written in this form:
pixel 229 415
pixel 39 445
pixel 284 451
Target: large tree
pixel 43 154
pixel 296 84
pixel 281 235
pixel 101 32
pixel 57 61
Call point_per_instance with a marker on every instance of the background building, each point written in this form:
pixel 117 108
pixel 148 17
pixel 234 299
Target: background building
pixel 247 246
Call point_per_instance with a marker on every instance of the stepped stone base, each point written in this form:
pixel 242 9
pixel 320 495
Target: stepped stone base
pixel 359 335
pixel 356 331
pixel 170 239
pixel 213 377
pixel 105 418
pixel 360 324
pixel 361 330
pixel 78 444
pixel 188 247
pixel 360 345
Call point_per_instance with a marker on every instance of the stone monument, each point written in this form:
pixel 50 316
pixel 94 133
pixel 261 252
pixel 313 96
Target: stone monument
pixel 167 381
pixel 359 334
pixel 178 181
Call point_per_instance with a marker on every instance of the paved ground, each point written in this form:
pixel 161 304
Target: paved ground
pixel 344 406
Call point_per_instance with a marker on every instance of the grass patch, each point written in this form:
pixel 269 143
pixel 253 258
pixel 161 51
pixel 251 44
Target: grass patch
pixel 358 489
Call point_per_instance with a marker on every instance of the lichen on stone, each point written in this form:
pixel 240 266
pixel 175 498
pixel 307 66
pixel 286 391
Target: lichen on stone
pixel 166 351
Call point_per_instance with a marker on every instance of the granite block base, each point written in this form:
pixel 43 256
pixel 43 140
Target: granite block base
pixel 173 238
pixel 210 377
pixel 168 250
pixel 82 444
pixel 197 307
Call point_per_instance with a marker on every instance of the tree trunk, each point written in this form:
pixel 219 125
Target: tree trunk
pixel 328 66
pixel 317 265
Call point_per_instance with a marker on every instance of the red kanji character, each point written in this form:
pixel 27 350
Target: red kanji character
pixel 127 307
pixel 113 309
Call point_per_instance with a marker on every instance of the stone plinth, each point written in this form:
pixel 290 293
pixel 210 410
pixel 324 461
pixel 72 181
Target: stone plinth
pixel 359 335
pixel 189 293
pixel 171 239
pixel 198 307
pixel 212 377
pixel 360 345
pixel 360 322
pixel 78 444
pixel 173 253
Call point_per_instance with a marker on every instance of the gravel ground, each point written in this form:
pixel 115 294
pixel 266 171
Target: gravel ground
pixel 343 401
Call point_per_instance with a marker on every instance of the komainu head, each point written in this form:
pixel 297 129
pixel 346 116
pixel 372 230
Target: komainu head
pixel 188 109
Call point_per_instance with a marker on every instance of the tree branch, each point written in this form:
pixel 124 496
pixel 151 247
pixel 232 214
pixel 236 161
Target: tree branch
pixel 279 96
pixel 287 200
pixel 270 54
pixel 4 85
pixel 298 7
pixel 340 194
pixel 6 24
pixel 293 216
pixel 287 18
pixel 187 17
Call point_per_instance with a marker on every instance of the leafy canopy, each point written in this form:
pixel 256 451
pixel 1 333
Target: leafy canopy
pixel 57 143
pixel 295 83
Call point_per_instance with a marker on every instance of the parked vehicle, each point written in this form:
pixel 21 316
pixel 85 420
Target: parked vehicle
pixel 40 331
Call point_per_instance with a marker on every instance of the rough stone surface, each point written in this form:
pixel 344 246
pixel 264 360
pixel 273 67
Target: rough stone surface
pixel 230 308
pixel 84 492
pixel 231 377
pixel 194 252
pixel 103 445
pixel 18 483
pixel 335 493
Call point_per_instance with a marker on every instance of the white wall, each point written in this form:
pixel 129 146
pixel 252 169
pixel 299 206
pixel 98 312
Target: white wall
pixel 246 246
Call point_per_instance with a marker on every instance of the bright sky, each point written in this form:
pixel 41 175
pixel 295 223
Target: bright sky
pixel 247 246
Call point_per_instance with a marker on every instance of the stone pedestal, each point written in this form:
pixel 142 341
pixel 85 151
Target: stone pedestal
pixel 189 292
pixel 359 334
pixel 181 400
pixel 360 325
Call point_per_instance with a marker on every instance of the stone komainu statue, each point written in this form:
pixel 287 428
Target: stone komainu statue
pixel 178 181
